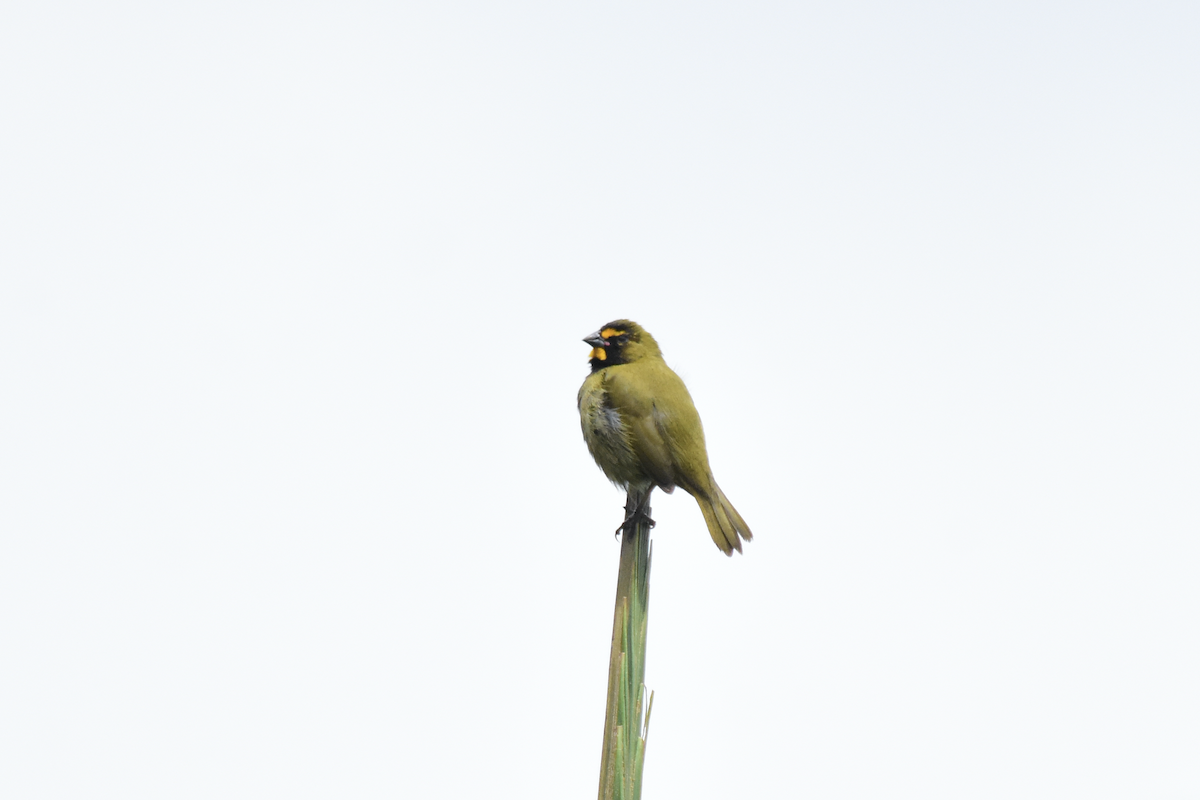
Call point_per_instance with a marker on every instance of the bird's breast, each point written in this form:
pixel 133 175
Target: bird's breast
pixel 607 436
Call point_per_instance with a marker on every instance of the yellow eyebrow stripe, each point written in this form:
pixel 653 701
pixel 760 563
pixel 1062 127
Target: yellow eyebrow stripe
pixel 609 333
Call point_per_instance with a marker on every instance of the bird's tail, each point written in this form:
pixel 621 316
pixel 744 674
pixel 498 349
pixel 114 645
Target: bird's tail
pixel 725 524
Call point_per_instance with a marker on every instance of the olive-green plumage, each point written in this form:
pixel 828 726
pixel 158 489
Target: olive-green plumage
pixel 643 430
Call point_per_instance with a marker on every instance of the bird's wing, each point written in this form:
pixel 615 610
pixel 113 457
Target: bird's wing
pixel 678 423
pixel 631 393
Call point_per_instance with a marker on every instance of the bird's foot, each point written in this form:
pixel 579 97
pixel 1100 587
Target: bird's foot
pixel 632 520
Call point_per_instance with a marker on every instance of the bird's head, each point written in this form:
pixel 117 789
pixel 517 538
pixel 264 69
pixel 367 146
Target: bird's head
pixel 620 342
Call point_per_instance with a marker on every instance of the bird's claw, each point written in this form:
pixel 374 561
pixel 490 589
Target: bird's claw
pixel 631 520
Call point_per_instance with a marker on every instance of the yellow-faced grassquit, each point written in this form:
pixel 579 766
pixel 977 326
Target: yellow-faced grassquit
pixel 643 430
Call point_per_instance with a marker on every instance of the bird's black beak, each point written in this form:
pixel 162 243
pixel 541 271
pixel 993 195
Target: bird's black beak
pixel 595 339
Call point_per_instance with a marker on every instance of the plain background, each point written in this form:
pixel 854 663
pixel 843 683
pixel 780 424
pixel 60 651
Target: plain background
pixel 294 500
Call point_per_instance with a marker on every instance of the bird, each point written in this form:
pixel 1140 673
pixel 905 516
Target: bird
pixel 644 432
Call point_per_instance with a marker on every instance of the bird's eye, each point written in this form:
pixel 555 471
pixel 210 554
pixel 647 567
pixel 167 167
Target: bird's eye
pixel 624 337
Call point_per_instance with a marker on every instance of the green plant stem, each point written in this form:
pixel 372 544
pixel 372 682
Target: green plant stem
pixel 628 713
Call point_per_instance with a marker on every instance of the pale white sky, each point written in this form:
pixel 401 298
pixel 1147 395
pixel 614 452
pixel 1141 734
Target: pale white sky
pixel 295 501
